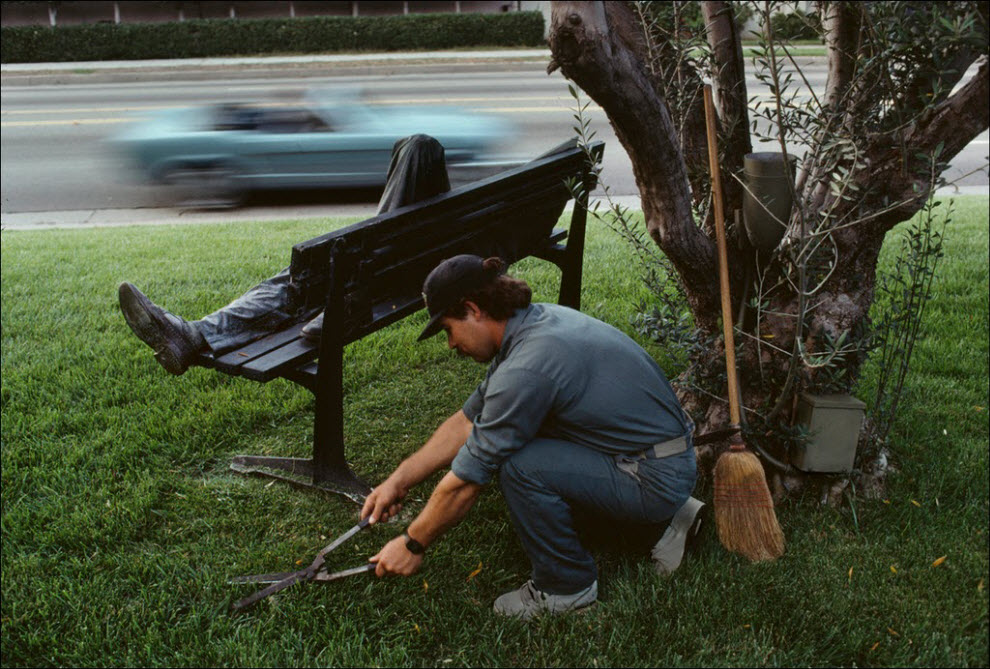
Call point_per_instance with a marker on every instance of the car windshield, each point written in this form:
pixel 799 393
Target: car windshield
pixel 273 120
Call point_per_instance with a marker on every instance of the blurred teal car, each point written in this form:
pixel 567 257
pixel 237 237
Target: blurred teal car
pixel 215 155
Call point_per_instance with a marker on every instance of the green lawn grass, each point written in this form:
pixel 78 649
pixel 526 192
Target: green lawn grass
pixel 122 523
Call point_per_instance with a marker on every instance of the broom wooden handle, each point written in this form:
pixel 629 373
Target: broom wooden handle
pixel 723 257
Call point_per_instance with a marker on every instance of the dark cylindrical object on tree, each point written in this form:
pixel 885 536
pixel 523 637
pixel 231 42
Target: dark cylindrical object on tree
pixel 767 202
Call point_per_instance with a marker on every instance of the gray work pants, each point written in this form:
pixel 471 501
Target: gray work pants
pixel 417 171
pixel 548 483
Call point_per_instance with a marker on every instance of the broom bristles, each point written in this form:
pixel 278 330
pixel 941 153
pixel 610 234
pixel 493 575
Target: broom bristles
pixel 744 512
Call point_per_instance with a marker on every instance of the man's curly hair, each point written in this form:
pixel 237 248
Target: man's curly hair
pixel 499 297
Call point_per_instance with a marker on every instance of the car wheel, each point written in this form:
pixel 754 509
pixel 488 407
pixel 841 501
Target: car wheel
pixel 207 187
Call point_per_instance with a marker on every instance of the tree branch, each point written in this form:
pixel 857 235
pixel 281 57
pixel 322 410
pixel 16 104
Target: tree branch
pixel 601 62
pixel 841 22
pixel 729 87
pixel 958 120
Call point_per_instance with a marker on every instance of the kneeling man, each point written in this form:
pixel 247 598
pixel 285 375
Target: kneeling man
pixel 573 416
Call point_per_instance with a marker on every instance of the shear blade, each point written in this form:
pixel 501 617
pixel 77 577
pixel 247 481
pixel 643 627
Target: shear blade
pixel 320 576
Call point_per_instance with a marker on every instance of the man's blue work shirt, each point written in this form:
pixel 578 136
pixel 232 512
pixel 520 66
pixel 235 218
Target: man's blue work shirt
pixel 563 375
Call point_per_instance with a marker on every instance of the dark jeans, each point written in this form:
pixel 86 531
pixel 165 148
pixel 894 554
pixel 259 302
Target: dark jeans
pixel 549 484
pixel 418 171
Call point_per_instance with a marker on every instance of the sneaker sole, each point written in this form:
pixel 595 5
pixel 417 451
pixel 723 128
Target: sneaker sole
pixel 692 539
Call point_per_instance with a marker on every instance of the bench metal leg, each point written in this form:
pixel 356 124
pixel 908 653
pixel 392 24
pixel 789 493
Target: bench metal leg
pixel 573 264
pixel 327 470
pixel 301 473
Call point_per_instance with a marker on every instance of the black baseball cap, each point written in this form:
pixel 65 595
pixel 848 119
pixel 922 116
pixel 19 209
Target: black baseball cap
pixel 448 283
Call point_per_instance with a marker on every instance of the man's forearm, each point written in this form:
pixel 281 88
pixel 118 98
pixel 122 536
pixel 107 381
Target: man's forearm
pixel 451 500
pixel 438 452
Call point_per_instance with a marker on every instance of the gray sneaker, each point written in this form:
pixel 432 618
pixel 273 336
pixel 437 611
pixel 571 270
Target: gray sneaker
pixel 680 537
pixel 528 601
pixel 176 343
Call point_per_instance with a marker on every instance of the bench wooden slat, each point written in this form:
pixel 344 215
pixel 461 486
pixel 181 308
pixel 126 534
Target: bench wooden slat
pixel 532 211
pixel 269 366
pixel 230 363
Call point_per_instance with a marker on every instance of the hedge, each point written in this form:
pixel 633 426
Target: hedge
pixel 796 25
pixel 203 38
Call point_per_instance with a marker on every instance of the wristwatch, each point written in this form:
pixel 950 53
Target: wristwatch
pixel 412 545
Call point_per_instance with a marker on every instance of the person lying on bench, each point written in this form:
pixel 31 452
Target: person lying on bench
pixel 573 417
pixel 417 171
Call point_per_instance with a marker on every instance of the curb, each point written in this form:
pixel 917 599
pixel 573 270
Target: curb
pixel 112 218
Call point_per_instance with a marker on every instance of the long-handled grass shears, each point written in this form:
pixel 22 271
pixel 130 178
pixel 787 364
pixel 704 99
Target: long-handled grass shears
pixel 314 572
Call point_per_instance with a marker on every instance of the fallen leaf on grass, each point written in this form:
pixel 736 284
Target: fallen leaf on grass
pixel 850 574
pixel 939 561
pixel 874 646
pixel 916 503
pixel 893 569
pixel 426 586
pixel 979 586
pixel 892 632
pixel 475 572
pixel 416 627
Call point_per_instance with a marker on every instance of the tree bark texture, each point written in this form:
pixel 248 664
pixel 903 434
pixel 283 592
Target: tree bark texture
pixel 596 49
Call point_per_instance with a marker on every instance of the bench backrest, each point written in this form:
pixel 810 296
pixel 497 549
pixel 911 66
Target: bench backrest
pixel 377 267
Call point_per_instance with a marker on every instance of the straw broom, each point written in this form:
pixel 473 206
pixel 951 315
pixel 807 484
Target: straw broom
pixel 744 512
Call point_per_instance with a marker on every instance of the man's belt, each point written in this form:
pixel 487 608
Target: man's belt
pixel 665 449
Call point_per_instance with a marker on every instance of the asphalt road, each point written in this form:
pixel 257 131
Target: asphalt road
pixel 55 166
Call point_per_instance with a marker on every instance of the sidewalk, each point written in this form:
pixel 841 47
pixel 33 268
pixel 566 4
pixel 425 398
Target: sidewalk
pixel 105 218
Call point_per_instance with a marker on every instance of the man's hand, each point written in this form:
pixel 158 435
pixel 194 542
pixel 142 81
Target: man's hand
pixel 395 558
pixel 384 501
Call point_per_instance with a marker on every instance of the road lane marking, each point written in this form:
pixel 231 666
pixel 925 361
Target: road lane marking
pixel 92 110
pixel 84 121
pixel 287 103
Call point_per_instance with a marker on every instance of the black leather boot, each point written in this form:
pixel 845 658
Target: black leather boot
pixel 176 343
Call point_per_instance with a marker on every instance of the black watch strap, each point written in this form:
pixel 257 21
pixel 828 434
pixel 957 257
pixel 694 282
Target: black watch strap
pixel 413 546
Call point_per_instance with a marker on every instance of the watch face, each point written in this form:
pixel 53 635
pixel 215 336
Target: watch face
pixel 414 546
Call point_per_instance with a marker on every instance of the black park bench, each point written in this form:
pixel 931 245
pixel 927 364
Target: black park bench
pixel 370 274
